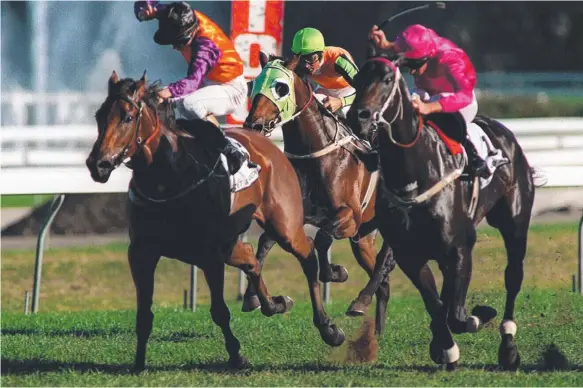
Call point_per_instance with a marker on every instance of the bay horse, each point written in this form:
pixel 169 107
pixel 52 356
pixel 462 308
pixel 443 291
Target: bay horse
pixel 339 192
pixel 181 205
pixel 423 211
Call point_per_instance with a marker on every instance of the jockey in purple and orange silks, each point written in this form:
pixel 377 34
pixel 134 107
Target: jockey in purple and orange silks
pixel 214 85
pixel 445 77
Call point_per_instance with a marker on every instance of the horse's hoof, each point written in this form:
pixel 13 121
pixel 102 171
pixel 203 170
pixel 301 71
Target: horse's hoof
pixel 239 362
pixel 250 303
pixel 485 313
pixel 452 366
pixel 283 304
pixel 508 356
pixel 356 309
pixel 443 356
pixel 332 335
pixel 336 274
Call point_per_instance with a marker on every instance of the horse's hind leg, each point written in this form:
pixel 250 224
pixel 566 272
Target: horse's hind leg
pixel 143 262
pixel 514 230
pixel 243 258
pixel 215 278
pixel 250 300
pixel 328 272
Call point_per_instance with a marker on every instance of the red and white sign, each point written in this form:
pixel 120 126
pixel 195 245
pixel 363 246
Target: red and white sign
pixel 256 25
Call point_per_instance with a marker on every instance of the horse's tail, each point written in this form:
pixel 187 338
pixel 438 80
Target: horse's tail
pixel 538 177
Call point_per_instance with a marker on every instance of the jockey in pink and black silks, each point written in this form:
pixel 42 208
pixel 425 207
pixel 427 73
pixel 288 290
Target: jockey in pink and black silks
pixel 214 84
pixel 444 75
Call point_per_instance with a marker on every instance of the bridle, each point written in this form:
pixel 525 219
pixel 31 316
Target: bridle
pixel 279 122
pixel 121 158
pixel 378 117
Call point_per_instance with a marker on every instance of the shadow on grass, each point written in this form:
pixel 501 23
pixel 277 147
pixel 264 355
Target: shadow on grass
pixel 23 367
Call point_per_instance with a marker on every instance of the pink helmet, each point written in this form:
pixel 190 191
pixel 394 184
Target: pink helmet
pixel 416 42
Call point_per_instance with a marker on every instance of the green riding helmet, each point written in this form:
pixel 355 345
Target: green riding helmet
pixel 307 41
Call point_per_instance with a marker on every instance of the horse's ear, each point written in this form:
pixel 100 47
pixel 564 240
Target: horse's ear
pixel 141 85
pixel 292 63
pixel 399 61
pixel 113 79
pixel 263 59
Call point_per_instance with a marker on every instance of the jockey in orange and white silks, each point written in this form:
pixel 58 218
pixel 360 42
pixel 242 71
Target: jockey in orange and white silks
pixel 214 84
pixel 331 68
pixel 444 75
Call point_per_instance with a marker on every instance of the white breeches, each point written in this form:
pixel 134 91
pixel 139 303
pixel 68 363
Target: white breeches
pixel 322 93
pixel 213 98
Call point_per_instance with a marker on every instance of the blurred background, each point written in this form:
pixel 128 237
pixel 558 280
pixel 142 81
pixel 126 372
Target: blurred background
pixel 56 57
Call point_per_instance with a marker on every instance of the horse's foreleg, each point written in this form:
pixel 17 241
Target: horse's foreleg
pixel 143 261
pixel 443 349
pixel 243 258
pixel 250 300
pixel 378 270
pixel 328 272
pixel 302 248
pixel 215 278
pixel 456 281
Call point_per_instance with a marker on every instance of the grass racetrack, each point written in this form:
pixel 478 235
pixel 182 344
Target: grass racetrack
pixel 84 333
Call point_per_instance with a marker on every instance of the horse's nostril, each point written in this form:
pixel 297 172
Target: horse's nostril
pixel 257 127
pixel 364 114
pixel 105 164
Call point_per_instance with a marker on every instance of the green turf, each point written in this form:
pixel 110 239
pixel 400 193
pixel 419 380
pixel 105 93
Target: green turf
pixel 23 200
pixel 72 343
pixel 97 348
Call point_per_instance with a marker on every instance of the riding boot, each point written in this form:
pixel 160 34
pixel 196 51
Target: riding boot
pixel 478 165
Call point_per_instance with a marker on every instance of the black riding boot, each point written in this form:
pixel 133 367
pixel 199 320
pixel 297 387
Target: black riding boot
pixel 235 157
pixel 477 164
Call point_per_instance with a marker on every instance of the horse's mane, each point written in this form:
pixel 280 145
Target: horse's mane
pixel 128 86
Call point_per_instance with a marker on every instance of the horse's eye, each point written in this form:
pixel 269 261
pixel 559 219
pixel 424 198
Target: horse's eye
pixel 127 119
pixel 387 80
pixel 281 90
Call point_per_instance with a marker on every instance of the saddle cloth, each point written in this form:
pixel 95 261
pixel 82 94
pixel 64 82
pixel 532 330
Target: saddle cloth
pixel 246 175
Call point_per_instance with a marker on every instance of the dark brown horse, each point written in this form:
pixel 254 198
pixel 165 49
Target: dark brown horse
pixel 339 192
pixel 426 213
pixel 181 205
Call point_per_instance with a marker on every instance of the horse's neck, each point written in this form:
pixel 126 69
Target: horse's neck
pixel 404 166
pixel 310 131
pixel 176 162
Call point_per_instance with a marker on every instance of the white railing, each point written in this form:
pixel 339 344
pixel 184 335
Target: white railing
pixel 554 145
pixel 18 108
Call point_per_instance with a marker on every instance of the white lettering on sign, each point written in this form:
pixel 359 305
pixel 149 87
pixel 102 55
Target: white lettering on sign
pixel 256 25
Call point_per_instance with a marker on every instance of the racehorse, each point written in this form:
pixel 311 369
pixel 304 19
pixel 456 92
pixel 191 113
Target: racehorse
pixel 425 212
pixel 182 207
pixel 339 192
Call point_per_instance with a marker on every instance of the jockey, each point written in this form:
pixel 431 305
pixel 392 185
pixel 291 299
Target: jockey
pixel 444 76
pixel 214 85
pixel 331 68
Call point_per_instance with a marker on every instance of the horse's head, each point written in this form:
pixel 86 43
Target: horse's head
pixel 376 84
pixel 125 126
pixel 274 95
